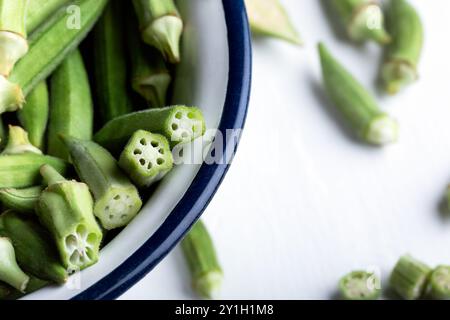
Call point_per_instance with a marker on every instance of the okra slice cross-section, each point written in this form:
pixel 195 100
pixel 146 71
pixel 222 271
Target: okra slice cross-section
pixel 439 283
pixel 147 158
pixel 360 285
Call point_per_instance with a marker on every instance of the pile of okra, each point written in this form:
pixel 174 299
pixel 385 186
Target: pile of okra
pixel 85 128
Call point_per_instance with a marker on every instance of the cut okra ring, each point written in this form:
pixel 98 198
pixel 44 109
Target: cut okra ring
pixel 360 285
pixel 409 278
pixel 439 283
pixel 146 158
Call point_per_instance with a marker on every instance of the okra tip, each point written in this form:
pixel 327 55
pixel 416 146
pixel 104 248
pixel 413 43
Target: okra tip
pixel 208 285
pixel 13 46
pixel 50 175
pixel 11 96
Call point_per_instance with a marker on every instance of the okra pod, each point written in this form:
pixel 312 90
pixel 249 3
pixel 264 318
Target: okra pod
pixel 363 19
pixel 71 107
pixel 3 134
pixel 357 106
pixel 439 283
pixel 34 114
pixel 403 54
pixel 269 18
pixel 110 70
pixel 65 208
pixel 161 26
pixel 34 249
pixel 150 76
pixel 146 158
pixel 179 124
pixel 198 248
pixel 38 11
pixel 360 285
pixel 10 271
pixel 117 200
pixel 22 170
pixel 20 200
pixel 49 45
pixel 409 278
pixel 9 293
pixel 13 36
pixel 18 142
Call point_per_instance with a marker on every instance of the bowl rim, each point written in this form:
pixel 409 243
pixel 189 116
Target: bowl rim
pixel 208 179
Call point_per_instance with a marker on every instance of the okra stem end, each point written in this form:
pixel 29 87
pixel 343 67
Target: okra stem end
pixel 13 46
pixel 397 74
pixel 382 130
pixel 208 286
pixel 368 23
pixel 11 96
pixel 153 88
pixel 19 143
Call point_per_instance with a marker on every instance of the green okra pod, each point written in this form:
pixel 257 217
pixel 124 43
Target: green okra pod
pixel 49 45
pixel 71 106
pixel 22 170
pixel 198 248
pixel 269 18
pixel 161 26
pixel 34 114
pixel 9 293
pixel 3 134
pixel 33 247
pixel 360 285
pixel 403 54
pixel 150 76
pixel 10 271
pixel 363 19
pixel 409 278
pixel 18 142
pixel 13 36
pixel 179 124
pixel 20 200
pixel 117 200
pixel 357 106
pixel 38 11
pixel 439 283
pixel 146 158
pixel 65 208
pixel 110 70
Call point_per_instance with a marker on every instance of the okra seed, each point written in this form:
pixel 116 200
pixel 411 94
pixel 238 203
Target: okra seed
pixel 82 231
pixel 174 127
pixel 191 115
pixel 142 162
pixel 155 144
pixel 161 151
pixel 71 242
pixel 143 142
pixel 123 217
pixel 178 115
pixel 117 197
pixel 150 165
pixel 137 152
pixel 111 217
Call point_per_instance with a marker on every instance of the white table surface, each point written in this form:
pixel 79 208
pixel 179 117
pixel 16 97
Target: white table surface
pixel 303 203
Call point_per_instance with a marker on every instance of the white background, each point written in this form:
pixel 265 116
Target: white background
pixel 303 203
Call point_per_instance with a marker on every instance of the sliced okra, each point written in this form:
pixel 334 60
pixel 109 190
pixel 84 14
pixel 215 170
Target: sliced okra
pixel 360 285
pixel 410 278
pixel 439 283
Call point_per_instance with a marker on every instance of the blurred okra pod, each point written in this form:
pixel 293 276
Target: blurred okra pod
pixel 360 285
pixel 439 283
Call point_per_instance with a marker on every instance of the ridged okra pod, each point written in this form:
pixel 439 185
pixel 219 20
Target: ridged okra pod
pixel 363 19
pixel 65 208
pixel 269 18
pixel 18 142
pixel 357 106
pixel 34 248
pixel 161 26
pixel 38 11
pixel 10 271
pixel 49 45
pixel 403 54
pixel 13 36
pixel 71 106
pixel 117 200
pixel 409 278
pixel 110 62
pixel 179 124
pixel 149 73
pixel 360 285
pixel 34 114
pixel 439 283
pixel 22 170
pixel 146 158
pixel 198 248
pixel 9 293
pixel 20 200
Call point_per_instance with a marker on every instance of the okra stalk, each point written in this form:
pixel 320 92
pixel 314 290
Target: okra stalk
pixel 179 124
pixel 71 106
pixel 34 114
pixel 409 278
pixel 117 200
pixel 33 247
pixel 161 26
pixel 360 285
pixel 20 200
pixel 146 158
pixel 403 54
pixel 364 20
pixel 18 142
pixel 439 283
pixel 22 170
pixel 357 106
pixel 150 76
pixel 65 208
pixel 49 45
pixel 269 18
pixel 10 271
pixel 38 11
pixel 198 248
pixel 13 36
pixel 110 63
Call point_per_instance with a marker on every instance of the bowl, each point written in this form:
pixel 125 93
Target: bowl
pixel 215 75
